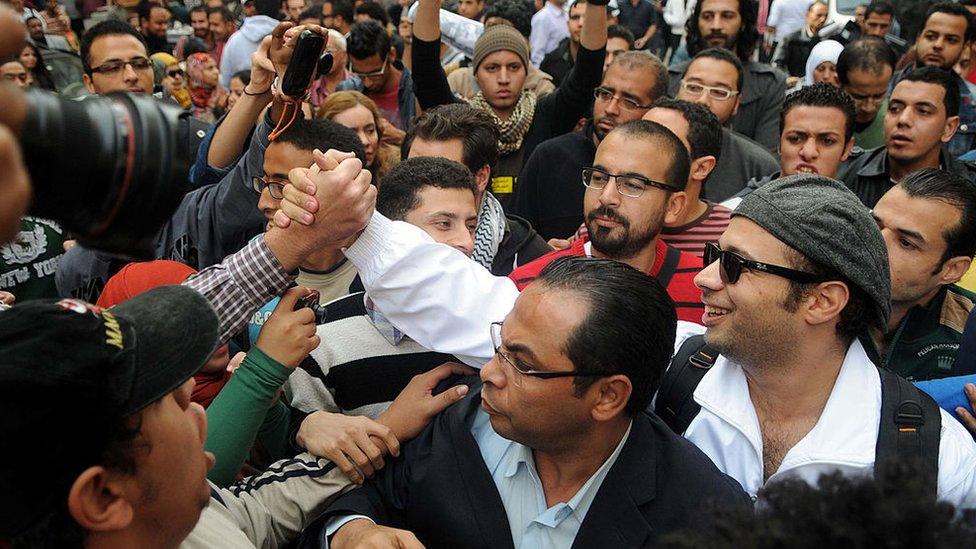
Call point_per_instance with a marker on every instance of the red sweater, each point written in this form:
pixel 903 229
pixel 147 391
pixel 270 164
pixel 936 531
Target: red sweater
pixel 675 270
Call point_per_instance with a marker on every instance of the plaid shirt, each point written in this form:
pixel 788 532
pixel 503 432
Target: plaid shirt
pixel 241 284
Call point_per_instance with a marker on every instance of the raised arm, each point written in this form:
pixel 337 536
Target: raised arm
pixel 429 81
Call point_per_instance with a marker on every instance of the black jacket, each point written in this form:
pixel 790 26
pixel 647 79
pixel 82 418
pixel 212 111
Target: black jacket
pixel 520 245
pixel 558 63
pixel 867 173
pixel 440 489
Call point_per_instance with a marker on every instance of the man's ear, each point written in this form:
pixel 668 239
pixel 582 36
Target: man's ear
pixel 97 501
pixel 847 149
pixel 89 85
pixel 954 268
pixel 702 167
pixel 482 177
pixel 826 301
pixel 391 55
pixel 951 125
pixel 738 101
pixel 611 397
pixel 675 207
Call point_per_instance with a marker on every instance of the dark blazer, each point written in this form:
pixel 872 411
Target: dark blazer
pixel 440 489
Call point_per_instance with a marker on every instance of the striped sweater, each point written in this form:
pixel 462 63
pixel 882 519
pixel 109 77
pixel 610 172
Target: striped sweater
pixel 693 236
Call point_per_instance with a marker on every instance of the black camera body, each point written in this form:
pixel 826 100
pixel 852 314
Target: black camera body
pixel 305 61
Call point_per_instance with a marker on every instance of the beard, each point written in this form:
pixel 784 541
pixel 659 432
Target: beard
pixel 728 42
pixel 621 242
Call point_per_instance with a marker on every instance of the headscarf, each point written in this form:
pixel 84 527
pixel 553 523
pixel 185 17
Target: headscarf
pixel 827 50
pixel 203 96
pixel 181 95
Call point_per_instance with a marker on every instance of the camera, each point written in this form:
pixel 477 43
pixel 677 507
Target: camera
pixel 111 169
pixel 306 60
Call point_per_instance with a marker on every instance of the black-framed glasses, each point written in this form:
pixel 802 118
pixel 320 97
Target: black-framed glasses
pixel 606 96
pixel 696 89
pixel 116 65
pixel 276 187
pixel 523 368
pixel 627 185
pixel 731 265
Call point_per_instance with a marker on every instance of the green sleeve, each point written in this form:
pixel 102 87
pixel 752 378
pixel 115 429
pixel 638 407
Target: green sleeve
pixel 236 415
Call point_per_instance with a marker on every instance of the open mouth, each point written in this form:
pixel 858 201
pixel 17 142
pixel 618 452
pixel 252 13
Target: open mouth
pixel 807 169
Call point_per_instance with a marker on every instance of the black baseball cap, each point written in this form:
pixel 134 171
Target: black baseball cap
pixel 72 373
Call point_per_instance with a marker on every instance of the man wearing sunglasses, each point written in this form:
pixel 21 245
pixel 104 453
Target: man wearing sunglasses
pixel 628 200
pixel 801 271
pixel 548 193
pixel 714 78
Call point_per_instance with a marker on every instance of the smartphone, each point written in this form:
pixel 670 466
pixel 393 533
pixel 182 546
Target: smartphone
pixel 301 68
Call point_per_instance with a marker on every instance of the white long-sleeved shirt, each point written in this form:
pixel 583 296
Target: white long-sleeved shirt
pixel 446 302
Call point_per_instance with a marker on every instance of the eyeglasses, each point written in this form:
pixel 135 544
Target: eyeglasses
pixel 174 73
pixel 694 88
pixel 116 65
pixel 12 77
pixel 369 75
pixel 276 188
pixel 605 95
pixel 627 185
pixel 524 369
pixel 731 265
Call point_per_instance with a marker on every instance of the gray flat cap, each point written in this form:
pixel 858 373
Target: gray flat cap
pixel 823 220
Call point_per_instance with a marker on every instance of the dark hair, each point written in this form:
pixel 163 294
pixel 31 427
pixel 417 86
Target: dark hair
pixel 881 8
pixel 620 31
pixel 145 9
pixel 226 14
pixel 867 54
pixel 366 39
pixel 39 73
pixel 399 193
pixel 704 129
pixel 269 8
pixel 109 27
pixel 312 12
pixel 821 94
pixel 342 8
pixel 200 8
pixel 748 36
pixel 939 77
pixel 474 127
pixel 244 76
pixel 958 192
pixel 815 2
pixel 670 146
pixel 723 54
pixel 513 11
pixel 955 9
pixel 307 135
pixel 858 315
pixel 892 508
pixel 374 11
pixel 629 328
pixel 195 45
pixel 637 60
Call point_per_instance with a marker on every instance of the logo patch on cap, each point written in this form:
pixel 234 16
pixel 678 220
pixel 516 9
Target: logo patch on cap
pixel 79 306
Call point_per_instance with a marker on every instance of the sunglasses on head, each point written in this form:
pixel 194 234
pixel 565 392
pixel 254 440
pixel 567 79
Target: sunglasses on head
pixel 731 264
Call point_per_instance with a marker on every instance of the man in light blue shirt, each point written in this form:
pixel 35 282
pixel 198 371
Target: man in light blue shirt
pixel 549 28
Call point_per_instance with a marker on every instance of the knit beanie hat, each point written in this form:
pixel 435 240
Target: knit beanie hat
pixel 500 37
pixel 166 59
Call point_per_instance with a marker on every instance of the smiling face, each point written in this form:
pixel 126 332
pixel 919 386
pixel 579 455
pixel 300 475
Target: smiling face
pixel 118 47
pixel 941 42
pixel 157 23
pixel 813 141
pixel 501 76
pixel 200 24
pixel 916 124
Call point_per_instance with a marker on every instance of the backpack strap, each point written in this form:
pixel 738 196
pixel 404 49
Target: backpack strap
pixel 910 428
pixel 669 267
pixel 675 403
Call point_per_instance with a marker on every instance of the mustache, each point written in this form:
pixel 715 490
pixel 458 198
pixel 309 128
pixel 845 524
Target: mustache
pixel 721 35
pixel 608 213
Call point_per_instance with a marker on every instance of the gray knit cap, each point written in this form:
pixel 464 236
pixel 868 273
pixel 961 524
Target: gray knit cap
pixel 500 37
pixel 823 220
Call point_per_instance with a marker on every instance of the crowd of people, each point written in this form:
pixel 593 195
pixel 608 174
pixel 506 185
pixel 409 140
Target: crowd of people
pixel 677 273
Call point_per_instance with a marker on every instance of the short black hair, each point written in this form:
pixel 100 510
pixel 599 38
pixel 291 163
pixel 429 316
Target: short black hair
pixel 723 54
pixel 399 193
pixel 322 134
pixel 704 129
pixel 195 45
pixel 866 54
pixel 474 127
pixel 745 43
pixel 880 7
pixel 269 8
pixel 366 39
pixel 670 146
pixel 940 77
pixel 620 31
pixel 109 27
pixel 513 11
pixel 374 11
pixel 244 76
pixel 643 60
pixel 821 94
pixel 200 8
pixel 857 316
pixel 342 8
pixel 225 13
pixel 958 192
pixel 312 12
pixel 629 328
pixel 893 508
pixel 955 9
pixel 144 9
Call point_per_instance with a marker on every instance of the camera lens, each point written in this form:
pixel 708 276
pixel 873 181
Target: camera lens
pixel 111 169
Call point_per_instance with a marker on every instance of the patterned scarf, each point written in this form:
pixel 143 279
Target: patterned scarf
pixel 490 231
pixel 513 130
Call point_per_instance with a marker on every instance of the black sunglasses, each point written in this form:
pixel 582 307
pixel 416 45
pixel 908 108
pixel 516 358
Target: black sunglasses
pixel 731 265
